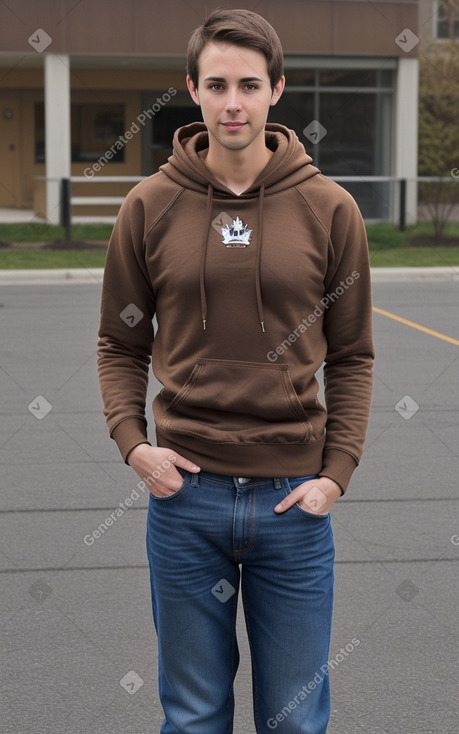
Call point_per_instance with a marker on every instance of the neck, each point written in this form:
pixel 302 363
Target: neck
pixel 236 169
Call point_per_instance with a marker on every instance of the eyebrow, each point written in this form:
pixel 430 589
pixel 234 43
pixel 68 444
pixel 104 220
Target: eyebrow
pixel 222 79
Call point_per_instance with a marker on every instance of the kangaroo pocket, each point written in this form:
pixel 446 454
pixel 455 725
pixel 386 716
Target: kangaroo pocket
pixel 225 401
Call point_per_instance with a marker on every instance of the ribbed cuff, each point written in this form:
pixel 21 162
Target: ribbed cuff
pixel 339 466
pixel 128 434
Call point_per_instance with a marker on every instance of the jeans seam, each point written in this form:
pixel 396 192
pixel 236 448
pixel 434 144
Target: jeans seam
pixel 233 671
pixel 256 711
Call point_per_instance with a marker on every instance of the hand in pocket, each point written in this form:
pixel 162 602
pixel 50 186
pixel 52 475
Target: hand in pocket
pixel 157 468
pixel 316 496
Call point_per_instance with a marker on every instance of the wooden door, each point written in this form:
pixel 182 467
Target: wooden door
pixel 9 151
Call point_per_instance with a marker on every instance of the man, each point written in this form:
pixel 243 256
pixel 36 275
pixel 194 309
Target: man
pixel 256 267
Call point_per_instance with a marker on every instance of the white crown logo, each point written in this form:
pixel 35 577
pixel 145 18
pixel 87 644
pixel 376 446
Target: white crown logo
pixel 236 234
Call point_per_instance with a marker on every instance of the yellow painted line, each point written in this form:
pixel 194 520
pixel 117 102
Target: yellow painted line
pixel 417 326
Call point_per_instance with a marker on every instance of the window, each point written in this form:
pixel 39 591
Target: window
pixel 95 128
pixel 354 106
pixel 159 128
pixel 447 19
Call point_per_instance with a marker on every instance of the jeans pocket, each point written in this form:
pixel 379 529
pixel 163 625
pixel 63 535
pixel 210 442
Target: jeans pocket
pixel 174 495
pixel 292 484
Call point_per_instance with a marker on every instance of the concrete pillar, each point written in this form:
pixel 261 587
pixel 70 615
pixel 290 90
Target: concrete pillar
pixel 57 130
pixel 406 131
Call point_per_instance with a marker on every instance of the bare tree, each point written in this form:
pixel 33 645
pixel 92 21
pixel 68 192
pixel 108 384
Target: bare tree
pixel 439 130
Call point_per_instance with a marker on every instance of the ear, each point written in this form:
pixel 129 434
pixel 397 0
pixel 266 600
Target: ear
pixel 277 91
pixel 192 90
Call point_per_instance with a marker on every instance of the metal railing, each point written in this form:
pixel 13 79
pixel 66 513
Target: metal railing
pixel 68 201
pixel 376 194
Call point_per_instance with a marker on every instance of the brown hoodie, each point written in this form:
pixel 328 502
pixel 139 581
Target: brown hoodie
pixel 252 294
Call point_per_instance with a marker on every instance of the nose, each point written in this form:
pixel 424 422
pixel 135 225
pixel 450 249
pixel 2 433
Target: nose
pixel 233 103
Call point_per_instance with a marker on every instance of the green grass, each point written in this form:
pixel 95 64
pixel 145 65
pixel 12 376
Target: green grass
pixel 389 247
pixel 384 236
pixel 25 259
pixel 416 257
pixel 389 236
pixel 38 232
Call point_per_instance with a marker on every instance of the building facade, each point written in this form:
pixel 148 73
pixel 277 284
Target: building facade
pixel 95 89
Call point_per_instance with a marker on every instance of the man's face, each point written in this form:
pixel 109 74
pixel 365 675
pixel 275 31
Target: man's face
pixel 234 94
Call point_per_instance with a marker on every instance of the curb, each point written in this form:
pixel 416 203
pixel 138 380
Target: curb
pixel 79 276
pixel 52 277
pixel 400 275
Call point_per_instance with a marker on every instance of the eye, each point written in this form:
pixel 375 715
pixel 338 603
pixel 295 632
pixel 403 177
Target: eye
pixel 216 86
pixel 251 87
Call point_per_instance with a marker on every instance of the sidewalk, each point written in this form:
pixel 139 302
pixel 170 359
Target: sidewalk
pixel 95 275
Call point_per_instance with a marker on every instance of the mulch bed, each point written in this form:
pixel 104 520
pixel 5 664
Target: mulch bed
pixel 428 240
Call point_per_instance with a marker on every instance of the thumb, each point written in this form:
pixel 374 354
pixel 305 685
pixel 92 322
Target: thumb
pixel 186 464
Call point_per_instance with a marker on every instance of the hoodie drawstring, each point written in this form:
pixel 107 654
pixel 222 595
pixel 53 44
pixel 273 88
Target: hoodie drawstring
pixel 258 258
pixel 202 277
pixel 202 284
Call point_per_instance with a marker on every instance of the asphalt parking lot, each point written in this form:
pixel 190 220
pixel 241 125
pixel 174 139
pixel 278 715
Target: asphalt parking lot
pixel 77 639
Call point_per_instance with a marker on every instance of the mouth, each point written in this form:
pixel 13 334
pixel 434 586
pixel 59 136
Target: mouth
pixel 234 125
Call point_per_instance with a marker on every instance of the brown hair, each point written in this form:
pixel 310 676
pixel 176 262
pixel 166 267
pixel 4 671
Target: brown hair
pixel 242 28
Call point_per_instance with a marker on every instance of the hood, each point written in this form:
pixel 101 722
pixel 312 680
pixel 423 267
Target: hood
pixel 288 166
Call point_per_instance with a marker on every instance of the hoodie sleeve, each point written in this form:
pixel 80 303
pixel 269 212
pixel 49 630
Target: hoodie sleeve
pixel 348 370
pixel 126 330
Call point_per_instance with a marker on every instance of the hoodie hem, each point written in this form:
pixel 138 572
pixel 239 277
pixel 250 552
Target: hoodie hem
pixel 254 460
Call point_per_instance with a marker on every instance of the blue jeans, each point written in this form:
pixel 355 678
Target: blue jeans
pixel 213 533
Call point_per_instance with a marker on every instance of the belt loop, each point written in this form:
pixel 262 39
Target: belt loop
pixel 195 480
pixel 277 484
